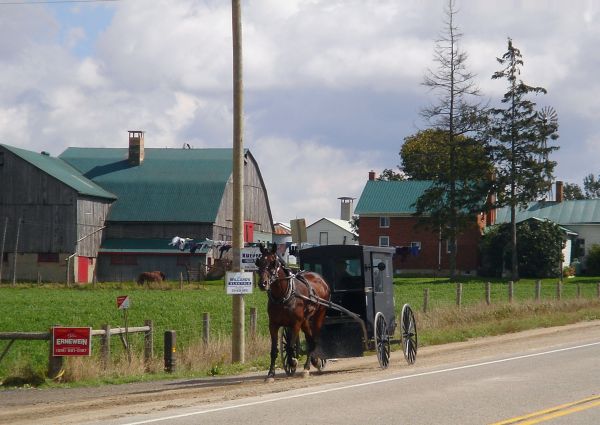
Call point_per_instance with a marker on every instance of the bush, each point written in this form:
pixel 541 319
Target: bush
pixel 593 261
pixel 539 249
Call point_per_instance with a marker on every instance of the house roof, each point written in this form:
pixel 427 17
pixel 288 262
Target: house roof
pixel 170 185
pixel 344 224
pixel 61 171
pixel 585 211
pixel 390 197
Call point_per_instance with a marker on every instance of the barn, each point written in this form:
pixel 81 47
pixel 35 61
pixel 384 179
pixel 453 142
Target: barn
pixel 154 194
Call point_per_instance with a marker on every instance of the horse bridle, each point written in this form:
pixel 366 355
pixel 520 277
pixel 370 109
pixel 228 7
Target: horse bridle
pixel 274 276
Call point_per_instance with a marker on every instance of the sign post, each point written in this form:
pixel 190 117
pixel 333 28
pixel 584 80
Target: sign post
pixel 123 304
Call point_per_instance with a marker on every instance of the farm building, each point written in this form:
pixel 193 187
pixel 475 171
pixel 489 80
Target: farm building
pixel 50 213
pixel 152 195
pixel 386 218
pixel 580 217
pixel 334 231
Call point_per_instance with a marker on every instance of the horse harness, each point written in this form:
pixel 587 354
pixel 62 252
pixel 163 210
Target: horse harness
pixel 291 291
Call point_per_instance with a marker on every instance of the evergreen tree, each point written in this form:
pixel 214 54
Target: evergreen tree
pixel 521 151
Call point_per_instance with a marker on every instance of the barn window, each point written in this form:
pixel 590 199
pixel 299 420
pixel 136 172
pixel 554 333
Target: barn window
pixel 123 260
pixel 384 222
pixel 384 241
pixel 5 257
pixel 1 159
pixel 48 257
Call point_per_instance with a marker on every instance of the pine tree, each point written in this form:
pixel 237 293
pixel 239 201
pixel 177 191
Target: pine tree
pixel 520 136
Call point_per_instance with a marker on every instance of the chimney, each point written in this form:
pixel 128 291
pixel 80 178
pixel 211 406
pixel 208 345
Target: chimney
pixel 559 191
pixel 346 208
pixel 136 147
pixel 371 175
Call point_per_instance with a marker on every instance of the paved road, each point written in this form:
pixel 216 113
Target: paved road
pixel 546 375
pixel 474 392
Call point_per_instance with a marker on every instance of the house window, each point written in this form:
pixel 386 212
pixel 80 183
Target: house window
pixel 123 260
pixel 448 246
pixel 323 238
pixel 415 247
pixel 48 257
pixel 384 222
pixel 384 241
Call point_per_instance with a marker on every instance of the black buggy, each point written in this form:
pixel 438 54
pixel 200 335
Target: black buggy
pixel 361 315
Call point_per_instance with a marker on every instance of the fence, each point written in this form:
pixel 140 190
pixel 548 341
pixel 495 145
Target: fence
pixel 486 294
pixel 55 363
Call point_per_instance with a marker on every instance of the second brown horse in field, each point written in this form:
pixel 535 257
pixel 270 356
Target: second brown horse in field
pixel 145 277
pixel 297 301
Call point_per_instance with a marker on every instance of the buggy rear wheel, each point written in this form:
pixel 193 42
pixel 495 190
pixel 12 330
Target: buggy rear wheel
pixel 289 352
pixel 382 341
pixel 408 327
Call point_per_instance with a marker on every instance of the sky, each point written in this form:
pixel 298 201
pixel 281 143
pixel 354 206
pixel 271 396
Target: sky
pixel 331 87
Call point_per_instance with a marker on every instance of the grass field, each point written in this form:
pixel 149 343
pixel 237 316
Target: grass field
pixel 36 308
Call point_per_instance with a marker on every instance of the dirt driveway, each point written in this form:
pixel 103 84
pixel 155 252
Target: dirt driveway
pixel 73 406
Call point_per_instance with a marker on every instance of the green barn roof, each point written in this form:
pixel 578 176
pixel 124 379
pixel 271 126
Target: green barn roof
pixel 171 185
pixel 585 211
pixel 61 171
pixel 390 197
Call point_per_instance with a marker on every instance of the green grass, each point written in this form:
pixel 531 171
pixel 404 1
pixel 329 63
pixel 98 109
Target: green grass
pixel 36 308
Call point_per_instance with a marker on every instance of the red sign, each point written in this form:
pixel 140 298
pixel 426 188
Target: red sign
pixel 123 302
pixel 71 341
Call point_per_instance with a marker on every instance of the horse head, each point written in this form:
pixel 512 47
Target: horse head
pixel 268 265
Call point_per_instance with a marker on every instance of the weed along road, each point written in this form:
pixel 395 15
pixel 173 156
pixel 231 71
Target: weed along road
pixel 539 376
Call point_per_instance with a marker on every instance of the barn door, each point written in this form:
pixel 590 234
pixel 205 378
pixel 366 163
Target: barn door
pixel 83 269
pixel 248 231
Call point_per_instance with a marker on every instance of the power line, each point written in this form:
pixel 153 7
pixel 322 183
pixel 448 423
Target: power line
pixel 21 3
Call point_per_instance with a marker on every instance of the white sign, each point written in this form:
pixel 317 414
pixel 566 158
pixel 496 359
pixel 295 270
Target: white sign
pixel 248 258
pixel 239 283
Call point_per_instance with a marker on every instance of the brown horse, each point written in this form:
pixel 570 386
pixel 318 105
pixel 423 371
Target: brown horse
pixel 297 301
pixel 156 276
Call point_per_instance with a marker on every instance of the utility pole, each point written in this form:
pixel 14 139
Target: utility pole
pixel 237 333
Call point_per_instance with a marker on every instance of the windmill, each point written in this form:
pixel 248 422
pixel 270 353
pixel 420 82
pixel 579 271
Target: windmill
pixel 548 126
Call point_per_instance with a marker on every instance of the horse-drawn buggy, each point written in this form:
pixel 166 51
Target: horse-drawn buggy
pixel 342 300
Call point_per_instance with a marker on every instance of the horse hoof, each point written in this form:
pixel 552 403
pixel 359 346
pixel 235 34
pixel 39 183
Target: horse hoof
pixel 269 380
pixel 305 373
pixel 294 362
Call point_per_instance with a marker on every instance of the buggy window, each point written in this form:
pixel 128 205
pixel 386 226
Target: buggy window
pixel 379 276
pixel 348 274
pixel 314 267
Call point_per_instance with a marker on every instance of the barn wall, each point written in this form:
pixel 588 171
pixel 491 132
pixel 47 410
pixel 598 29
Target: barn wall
pixel 120 230
pixel 28 268
pixel 91 214
pixel 256 203
pixel 171 265
pixel 47 207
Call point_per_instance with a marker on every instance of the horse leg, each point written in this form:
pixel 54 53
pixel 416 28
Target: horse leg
pixel 310 346
pixel 273 330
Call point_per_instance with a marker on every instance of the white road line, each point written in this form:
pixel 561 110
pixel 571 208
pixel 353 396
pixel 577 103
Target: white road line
pixel 363 384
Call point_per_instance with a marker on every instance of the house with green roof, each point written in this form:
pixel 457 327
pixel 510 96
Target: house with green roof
pixel 155 194
pixel 580 218
pixel 386 218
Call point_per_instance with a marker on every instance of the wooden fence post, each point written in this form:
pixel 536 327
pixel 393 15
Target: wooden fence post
pixel 598 290
pixel 148 342
pixel 180 280
pixel 55 363
pixel 558 291
pixel 170 350
pixel 578 291
pixel 459 294
pixel 253 321
pixel 105 346
pixel 538 290
pixel 206 328
pixel 425 300
pixel 488 293
pixel 511 291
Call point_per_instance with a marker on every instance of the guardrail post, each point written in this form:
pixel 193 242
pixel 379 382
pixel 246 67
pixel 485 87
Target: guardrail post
pixel 170 350
pixel 253 321
pixel 511 291
pixel 538 290
pixel 425 300
pixel 459 294
pixel 105 346
pixel 55 363
pixel 148 342
pixel 205 328
pixel 488 293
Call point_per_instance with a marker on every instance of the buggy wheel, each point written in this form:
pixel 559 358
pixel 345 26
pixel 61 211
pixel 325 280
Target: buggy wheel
pixel 408 328
pixel 318 363
pixel 289 353
pixel 382 341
